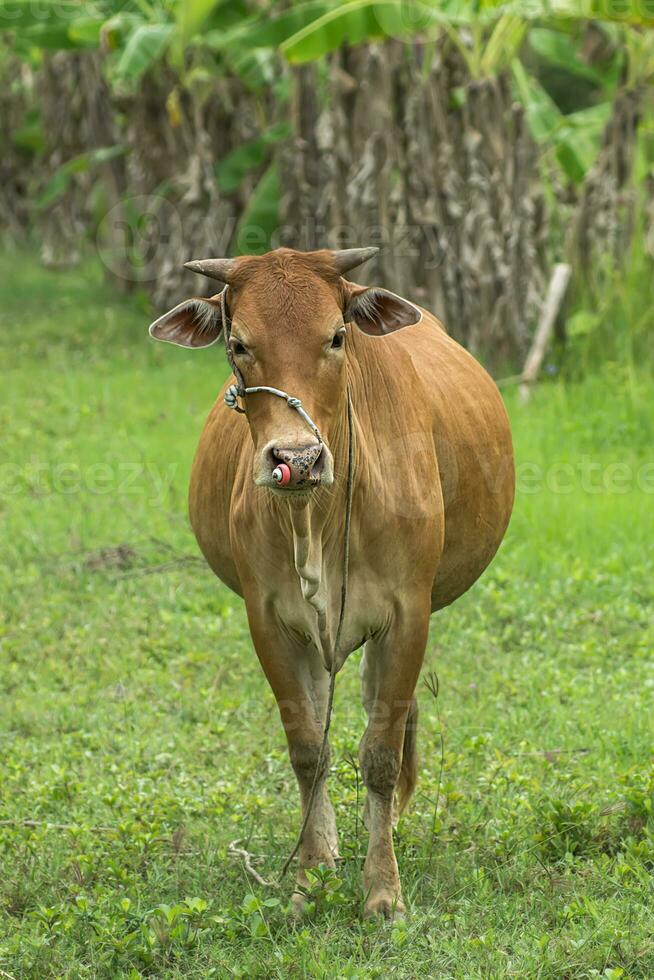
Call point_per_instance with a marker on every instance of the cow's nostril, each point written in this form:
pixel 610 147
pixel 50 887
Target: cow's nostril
pixel 297 466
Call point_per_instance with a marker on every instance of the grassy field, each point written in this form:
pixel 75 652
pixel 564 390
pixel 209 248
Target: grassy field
pixel 138 736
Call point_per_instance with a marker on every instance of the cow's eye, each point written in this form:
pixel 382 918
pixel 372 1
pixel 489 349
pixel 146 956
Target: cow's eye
pixel 238 348
pixel 338 340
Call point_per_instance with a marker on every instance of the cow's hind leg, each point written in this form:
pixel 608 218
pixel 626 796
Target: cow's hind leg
pixel 388 753
pixel 300 684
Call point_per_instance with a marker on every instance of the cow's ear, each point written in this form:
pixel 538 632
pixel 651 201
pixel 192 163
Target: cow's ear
pixel 377 311
pixel 196 322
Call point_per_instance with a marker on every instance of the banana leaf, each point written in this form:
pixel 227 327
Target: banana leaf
pixel 560 49
pixel 145 45
pixel 232 169
pixel 82 163
pixel 260 219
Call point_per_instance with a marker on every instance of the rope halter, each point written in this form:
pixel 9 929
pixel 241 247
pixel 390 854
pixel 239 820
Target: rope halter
pixel 234 392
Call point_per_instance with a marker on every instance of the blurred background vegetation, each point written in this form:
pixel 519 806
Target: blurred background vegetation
pixel 479 143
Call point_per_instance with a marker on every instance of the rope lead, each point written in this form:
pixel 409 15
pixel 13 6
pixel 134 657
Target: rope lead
pixel 232 394
pixel 339 629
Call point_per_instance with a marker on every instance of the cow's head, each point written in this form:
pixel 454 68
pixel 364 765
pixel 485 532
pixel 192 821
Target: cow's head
pixel 289 314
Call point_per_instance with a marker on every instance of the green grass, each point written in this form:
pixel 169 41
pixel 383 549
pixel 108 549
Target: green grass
pixel 139 737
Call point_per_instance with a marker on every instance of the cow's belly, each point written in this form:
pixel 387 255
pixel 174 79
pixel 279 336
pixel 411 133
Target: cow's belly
pixel 477 512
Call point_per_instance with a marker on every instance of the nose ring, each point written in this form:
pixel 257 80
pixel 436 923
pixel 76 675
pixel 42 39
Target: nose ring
pixel 282 475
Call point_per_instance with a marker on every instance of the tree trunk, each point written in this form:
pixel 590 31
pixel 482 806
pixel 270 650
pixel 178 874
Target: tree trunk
pixel 381 155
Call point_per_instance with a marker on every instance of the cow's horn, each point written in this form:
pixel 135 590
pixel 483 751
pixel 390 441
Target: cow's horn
pixel 220 269
pixel 350 258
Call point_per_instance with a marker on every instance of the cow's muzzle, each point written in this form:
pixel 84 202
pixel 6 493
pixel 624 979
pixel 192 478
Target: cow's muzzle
pixel 297 467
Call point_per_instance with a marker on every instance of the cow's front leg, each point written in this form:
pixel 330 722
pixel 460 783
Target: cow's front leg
pixel 392 665
pixel 300 684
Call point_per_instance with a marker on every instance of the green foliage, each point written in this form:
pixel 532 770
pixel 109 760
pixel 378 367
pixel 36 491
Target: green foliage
pixel 145 45
pixel 140 737
pixel 232 169
pixel 16 15
pixel 82 163
pixel 270 30
pixel 30 135
pixel 190 16
pixel 612 315
pixel 260 219
pixel 573 138
pixel 352 23
pixel 202 39
pixel 560 49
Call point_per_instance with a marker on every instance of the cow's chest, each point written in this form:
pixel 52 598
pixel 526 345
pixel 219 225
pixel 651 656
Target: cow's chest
pixel 313 621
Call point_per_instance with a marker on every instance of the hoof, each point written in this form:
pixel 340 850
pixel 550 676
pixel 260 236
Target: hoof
pixel 390 908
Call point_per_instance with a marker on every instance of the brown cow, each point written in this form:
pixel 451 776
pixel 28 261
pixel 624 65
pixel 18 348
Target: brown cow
pixel 433 484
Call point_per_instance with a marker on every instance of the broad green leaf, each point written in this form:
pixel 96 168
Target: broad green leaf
pixel 594 118
pixel 582 323
pixel 30 134
pixel 86 30
pixel 144 47
pixel 54 189
pixel 560 49
pixel 257 68
pixel 117 28
pixel 82 32
pixel 232 169
pixel 190 15
pixel 351 23
pixel 567 154
pixel 260 219
pixel 502 45
pixel 543 115
pixel 578 139
pixel 60 181
pixel 360 20
pixel 47 37
pixel 269 32
pixel 575 137
pixel 357 21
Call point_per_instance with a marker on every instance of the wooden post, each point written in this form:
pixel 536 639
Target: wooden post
pixel 555 293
